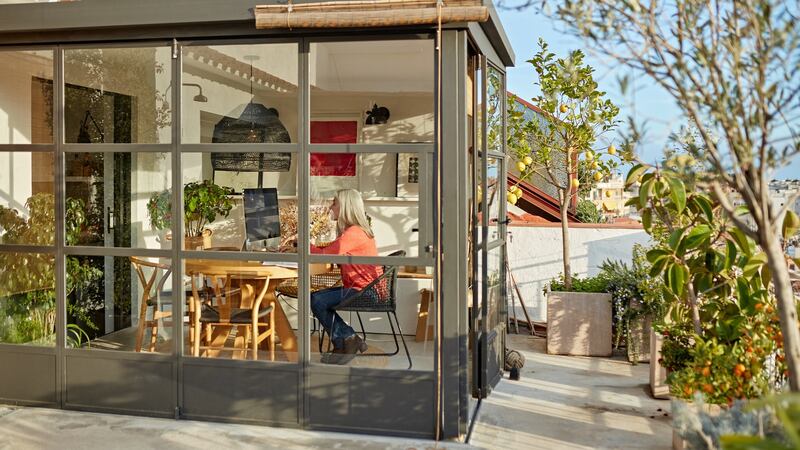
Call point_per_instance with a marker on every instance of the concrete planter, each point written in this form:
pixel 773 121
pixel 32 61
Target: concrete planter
pixel 658 373
pixel 713 412
pixel 579 323
pixel 639 346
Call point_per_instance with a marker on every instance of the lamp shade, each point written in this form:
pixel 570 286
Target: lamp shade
pixel 256 124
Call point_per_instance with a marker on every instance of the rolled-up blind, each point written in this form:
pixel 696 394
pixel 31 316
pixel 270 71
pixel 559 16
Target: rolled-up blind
pixel 368 13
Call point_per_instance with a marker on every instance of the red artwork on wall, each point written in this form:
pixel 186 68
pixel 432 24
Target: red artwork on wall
pixel 333 132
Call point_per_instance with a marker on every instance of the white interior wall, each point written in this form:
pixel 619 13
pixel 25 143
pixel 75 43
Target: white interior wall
pixel 15 122
pixel 535 257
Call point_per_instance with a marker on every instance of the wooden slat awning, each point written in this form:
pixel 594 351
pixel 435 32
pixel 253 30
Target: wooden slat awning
pixel 368 13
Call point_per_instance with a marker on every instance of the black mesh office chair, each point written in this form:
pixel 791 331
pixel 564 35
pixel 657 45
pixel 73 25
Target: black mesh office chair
pixel 377 297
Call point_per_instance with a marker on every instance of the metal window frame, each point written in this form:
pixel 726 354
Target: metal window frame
pixel 176 148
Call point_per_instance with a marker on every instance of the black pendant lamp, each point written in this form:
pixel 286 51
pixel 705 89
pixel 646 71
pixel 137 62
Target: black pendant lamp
pixel 256 124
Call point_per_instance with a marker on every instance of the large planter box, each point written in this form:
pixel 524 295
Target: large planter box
pixel 579 323
pixel 658 374
pixel 639 346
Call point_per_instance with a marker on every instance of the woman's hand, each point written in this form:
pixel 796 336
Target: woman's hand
pixel 289 244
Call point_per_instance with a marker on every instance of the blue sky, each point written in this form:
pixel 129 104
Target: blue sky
pixel 649 103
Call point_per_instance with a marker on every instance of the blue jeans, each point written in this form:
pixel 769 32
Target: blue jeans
pixel 322 304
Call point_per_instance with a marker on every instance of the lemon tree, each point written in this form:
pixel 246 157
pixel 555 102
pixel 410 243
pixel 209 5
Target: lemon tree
pixel 561 146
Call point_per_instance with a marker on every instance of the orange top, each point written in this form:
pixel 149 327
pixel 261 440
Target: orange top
pixel 354 242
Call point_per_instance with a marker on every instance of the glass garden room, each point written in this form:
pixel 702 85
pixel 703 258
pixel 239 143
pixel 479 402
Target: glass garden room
pixel 153 161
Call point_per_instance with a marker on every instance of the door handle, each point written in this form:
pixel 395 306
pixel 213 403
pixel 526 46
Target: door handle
pixel 109 219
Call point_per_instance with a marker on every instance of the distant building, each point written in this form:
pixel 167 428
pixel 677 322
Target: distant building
pixel 610 197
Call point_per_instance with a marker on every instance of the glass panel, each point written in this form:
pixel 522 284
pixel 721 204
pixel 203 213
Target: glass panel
pixel 496 195
pixel 495 100
pixel 117 95
pixel 494 277
pixel 239 93
pixel 118 199
pixel 233 211
pixel 109 307
pixel 381 316
pixel 27 298
pixel 27 203
pixel 383 192
pixel 26 97
pixel 372 92
pixel 222 297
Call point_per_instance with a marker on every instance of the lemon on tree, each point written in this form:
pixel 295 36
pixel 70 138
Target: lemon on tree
pixel 527 160
pixel 612 150
pixel 598 176
pixel 575 183
pixel 563 108
pixel 521 166
pixel 512 198
pixel 595 166
pixel 589 155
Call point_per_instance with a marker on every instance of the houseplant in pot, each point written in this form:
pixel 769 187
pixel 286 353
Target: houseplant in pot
pixel 202 203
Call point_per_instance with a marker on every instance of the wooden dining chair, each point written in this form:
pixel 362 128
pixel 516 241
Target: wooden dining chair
pixel 214 316
pixel 152 303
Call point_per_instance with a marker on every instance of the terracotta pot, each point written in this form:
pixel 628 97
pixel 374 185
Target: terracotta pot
pixel 198 242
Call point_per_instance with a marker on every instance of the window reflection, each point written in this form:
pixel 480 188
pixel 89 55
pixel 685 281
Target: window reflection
pixel 26 97
pixel 117 95
pixel 27 199
pixel 240 94
pixel 27 299
pixel 117 199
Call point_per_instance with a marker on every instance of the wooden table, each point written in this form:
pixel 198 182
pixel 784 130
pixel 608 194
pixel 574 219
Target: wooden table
pixel 254 270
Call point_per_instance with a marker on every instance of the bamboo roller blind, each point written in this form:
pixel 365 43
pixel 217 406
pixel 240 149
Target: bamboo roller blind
pixel 368 13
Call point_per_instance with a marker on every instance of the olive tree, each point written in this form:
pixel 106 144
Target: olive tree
pixel 557 147
pixel 733 68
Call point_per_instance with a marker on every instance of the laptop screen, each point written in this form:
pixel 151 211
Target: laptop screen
pixel 261 217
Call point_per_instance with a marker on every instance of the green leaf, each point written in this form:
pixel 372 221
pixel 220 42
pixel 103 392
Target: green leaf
pixel 697 236
pixel 647 219
pixel 677 192
pixel 741 241
pixel 677 279
pixel 675 238
pixel 645 190
pixel 743 294
pixel 754 264
pixel 704 204
pixel 658 266
pixel 739 442
pixel 730 254
pixel 656 254
pixel 791 223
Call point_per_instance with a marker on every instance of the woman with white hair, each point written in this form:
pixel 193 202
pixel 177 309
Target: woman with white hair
pixel 354 237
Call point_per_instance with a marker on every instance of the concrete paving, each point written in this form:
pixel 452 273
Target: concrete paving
pixel 572 402
pixel 560 402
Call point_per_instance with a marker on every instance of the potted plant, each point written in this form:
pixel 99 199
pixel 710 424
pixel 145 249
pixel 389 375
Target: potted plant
pixel 202 203
pixel 637 302
pixel 579 319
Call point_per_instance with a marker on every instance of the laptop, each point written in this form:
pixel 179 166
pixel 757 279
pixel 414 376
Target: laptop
pixel 262 222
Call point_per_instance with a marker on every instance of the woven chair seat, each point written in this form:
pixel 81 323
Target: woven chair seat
pixel 319 282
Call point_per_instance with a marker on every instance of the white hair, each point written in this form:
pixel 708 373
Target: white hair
pixel 351 212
